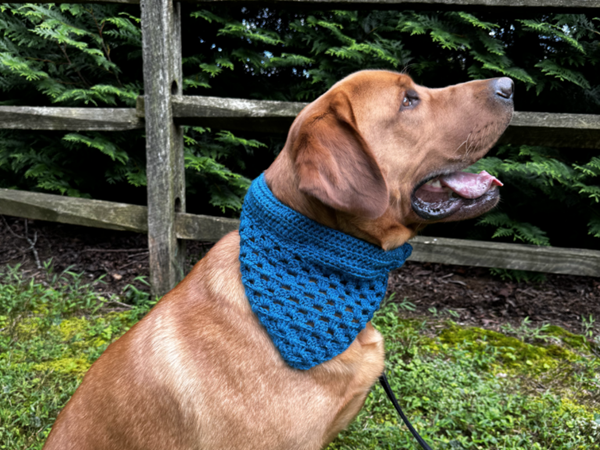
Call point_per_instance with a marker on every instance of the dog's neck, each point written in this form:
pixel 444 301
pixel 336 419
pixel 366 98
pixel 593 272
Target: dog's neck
pixel 312 287
pixel 386 232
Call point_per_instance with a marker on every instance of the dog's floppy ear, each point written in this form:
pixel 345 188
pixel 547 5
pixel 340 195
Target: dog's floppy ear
pixel 335 164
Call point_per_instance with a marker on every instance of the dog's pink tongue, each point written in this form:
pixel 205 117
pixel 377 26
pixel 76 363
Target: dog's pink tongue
pixel 470 185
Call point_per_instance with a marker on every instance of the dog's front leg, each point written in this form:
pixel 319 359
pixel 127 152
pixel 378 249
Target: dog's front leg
pixel 366 356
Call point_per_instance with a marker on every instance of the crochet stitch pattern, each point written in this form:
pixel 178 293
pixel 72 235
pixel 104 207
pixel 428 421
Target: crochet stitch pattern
pixel 312 287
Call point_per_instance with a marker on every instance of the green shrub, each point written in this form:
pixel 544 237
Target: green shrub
pixel 70 55
pixel 90 54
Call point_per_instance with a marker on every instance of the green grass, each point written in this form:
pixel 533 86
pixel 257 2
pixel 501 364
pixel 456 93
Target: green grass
pixel 462 387
pixel 470 388
pixel 50 334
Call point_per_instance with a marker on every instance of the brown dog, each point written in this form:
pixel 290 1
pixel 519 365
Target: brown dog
pixel 375 157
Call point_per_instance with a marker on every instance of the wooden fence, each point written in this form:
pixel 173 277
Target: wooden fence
pixel 163 110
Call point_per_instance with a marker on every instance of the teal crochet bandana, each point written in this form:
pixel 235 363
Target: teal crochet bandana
pixel 312 287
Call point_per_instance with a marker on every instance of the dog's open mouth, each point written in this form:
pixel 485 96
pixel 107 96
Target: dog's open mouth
pixel 455 196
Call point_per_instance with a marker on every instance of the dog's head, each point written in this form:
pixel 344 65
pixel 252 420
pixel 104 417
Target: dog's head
pixel 379 157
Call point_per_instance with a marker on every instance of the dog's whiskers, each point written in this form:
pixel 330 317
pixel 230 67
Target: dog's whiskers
pixel 466 144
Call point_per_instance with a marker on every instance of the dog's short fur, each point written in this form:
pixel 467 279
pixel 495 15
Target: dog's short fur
pixel 199 371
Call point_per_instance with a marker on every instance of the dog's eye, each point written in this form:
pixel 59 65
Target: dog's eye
pixel 410 100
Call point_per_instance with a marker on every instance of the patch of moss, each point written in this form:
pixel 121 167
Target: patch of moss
pixel 74 366
pixel 430 344
pixel 69 328
pixel 575 341
pixel 95 332
pixel 28 327
pixel 512 352
pixel 569 408
pixel 41 309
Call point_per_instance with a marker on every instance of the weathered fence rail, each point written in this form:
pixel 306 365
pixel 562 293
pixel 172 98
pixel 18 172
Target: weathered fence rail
pixel 120 216
pixel 75 211
pixel 531 128
pixel 554 130
pixel 506 256
pixel 163 110
pixel 76 119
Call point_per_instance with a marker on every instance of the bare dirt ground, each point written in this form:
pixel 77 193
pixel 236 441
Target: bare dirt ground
pixel 475 297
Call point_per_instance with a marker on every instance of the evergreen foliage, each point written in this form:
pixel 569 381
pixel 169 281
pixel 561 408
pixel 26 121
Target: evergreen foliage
pixel 90 55
pixel 69 55
pixel 64 53
pixel 552 174
pixel 206 153
pixel 287 56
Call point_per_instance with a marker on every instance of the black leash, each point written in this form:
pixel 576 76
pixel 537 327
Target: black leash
pixel 388 390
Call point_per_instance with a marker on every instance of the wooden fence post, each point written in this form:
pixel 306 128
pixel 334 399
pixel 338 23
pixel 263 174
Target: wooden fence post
pixel 161 40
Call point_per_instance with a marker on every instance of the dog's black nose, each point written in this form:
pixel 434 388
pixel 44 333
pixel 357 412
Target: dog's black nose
pixel 504 88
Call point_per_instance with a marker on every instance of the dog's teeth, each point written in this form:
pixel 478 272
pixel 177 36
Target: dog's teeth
pixel 434 183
